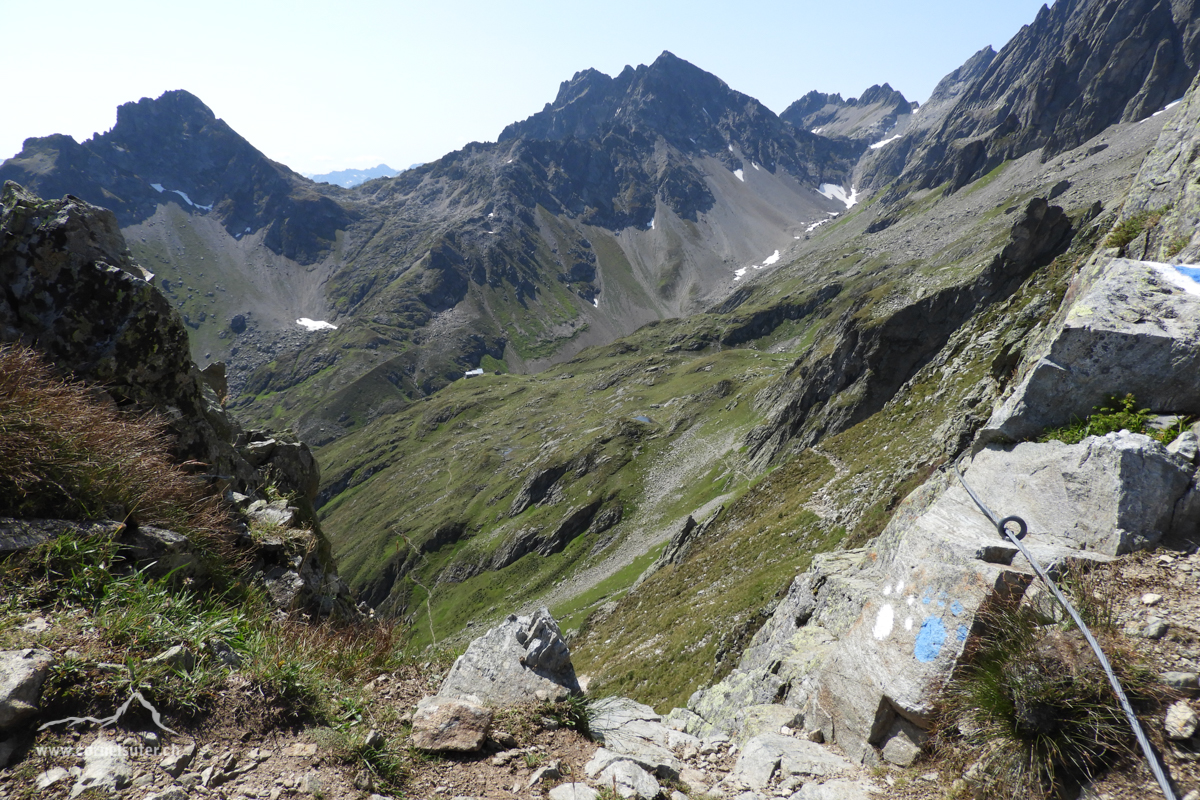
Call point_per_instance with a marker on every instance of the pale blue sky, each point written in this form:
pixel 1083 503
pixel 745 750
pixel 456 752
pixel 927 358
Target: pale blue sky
pixel 324 85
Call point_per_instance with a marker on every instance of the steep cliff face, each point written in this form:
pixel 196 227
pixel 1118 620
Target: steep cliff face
pixel 1164 201
pixel 1081 66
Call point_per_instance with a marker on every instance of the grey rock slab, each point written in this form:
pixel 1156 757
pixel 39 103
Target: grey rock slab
pixel 838 790
pixel 161 551
pixel 173 793
pixel 524 659
pixel 176 763
pixel 629 780
pixel 1186 445
pixel 450 726
pixel 106 768
pixel 22 673
pixel 1181 680
pixel 17 535
pixel 1155 629
pixel 1111 494
pixel 573 791
pixel 551 771
pixel 902 744
pixel 769 718
pixel 1134 328
pixel 763 755
pixel 1181 721
pixel 179 657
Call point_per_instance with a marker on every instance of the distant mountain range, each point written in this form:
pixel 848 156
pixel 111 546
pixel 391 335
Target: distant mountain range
pixel 349 178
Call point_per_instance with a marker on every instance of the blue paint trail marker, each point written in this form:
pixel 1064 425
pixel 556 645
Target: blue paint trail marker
pixel 929 640
pixel 956 608
pixel 962 633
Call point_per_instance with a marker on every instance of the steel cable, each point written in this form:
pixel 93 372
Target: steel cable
pixel 1002 526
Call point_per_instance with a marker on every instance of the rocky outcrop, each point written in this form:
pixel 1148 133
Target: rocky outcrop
pixel 865 641
pixel 1079 67
pixel 74 293
pixel 523 660
pixel 1167 185
pixel 869 362
pixel 1134 327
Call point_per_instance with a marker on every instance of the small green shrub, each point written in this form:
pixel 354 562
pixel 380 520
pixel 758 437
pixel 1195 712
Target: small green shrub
pixel 1118 414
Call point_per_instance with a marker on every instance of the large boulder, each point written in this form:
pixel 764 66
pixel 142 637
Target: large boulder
pixel 522 660
pixel 1134 328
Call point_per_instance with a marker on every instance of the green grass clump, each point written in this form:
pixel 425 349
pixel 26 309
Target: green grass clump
pixel 1118 414
pixel 66 454
pixel 1032 708
pixel 1177 244
pixel 1128 230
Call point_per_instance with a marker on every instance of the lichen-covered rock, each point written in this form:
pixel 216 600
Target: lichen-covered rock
pixel 524 659
pixel 74 292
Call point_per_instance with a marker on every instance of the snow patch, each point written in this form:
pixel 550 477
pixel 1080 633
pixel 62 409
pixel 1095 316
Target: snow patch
pixel 1167 107
pixel 738 274
pixel 315 324
pixel 651 224
pixel 754 165
pixel 834 192
pixel 596 302
pixel 471 373
pixel 878 145
pixel 817 131
pixel 188 200
pixel 157 187
pixel 771 259
pixel 731 148
pixel 740 175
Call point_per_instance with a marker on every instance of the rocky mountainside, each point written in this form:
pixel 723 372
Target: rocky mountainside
pixel 508 255
pixel 1078 68
pixel 713 417
pixel 880 114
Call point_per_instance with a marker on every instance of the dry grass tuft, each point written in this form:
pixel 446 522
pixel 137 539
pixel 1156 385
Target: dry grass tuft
pixel 65 453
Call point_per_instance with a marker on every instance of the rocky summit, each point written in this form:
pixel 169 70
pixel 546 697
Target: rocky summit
pixel 666 446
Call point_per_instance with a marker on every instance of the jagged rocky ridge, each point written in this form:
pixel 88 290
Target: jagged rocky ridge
pixel 74 294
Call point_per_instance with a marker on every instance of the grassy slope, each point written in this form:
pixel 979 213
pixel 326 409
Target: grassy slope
pixel 462 455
